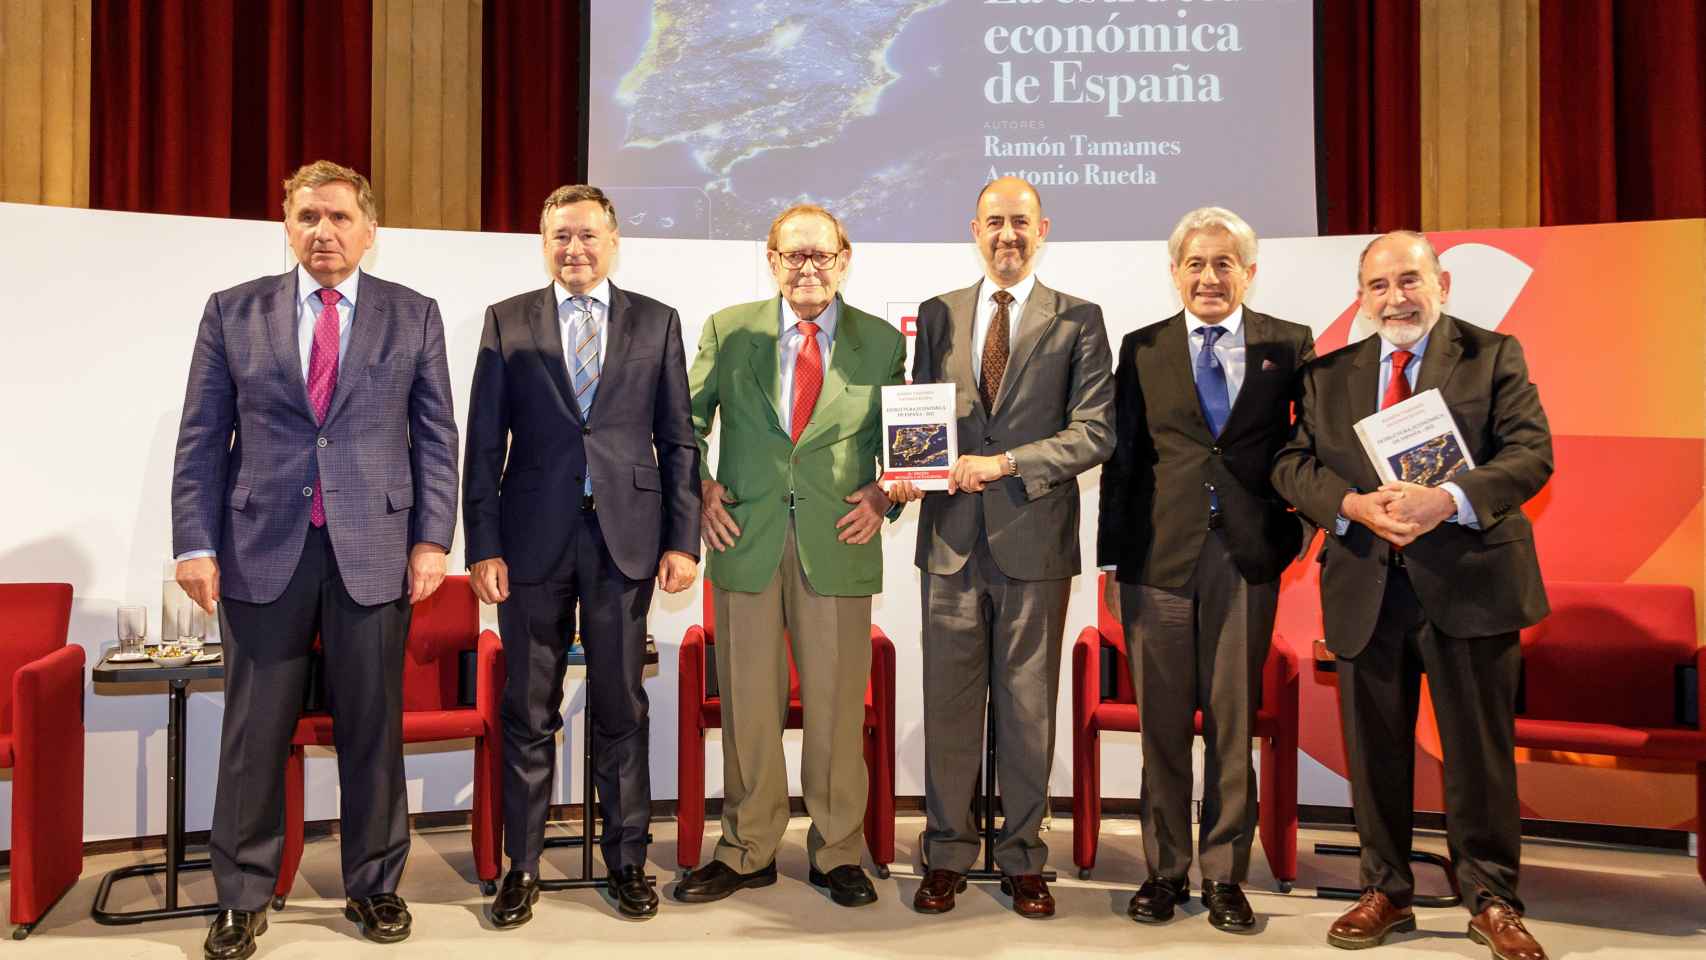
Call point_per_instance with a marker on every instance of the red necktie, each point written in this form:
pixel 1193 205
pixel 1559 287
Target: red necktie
pixel 1398 388
pixel 323 381
pixel 808 378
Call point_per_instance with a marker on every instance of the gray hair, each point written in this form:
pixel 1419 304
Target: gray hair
pixel 1433 256
pixel 1213 218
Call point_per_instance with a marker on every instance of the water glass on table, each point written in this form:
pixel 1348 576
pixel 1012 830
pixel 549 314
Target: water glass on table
pixel 132 629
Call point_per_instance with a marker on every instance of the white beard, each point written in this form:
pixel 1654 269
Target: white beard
pixel 1400 335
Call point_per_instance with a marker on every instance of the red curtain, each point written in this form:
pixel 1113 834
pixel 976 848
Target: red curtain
pixel 1371 130
pixel 203 107
pixel 1622 110
pixel 534 103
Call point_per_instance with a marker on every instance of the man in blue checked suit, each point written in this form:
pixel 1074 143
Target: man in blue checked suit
pixel 582 494
pixel 314 493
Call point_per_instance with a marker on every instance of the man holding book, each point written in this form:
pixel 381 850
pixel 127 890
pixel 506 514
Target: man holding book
pixel 1421 579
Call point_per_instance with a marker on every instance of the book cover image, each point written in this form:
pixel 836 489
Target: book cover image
pixel 1431 462
pixel 914 445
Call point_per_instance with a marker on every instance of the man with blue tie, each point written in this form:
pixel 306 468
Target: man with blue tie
pixel 1195 540
pixel 314 494
pixel 582 493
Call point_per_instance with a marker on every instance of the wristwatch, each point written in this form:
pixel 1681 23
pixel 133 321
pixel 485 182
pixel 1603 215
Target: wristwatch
pixel 1012 465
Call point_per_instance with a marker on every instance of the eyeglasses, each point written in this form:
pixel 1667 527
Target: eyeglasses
pixel 797 259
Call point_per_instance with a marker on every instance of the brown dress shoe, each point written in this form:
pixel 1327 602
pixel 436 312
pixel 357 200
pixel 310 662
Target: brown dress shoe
pixel 1030 895
pixel 1498 927
pixel 936 894
pixel 1368 923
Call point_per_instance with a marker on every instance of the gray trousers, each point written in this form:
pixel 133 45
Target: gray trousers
pixel 1200 646
pixel 968 616
pixel 830 638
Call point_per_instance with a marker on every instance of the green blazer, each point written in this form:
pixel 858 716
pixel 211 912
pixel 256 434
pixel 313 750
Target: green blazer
pixel 738 373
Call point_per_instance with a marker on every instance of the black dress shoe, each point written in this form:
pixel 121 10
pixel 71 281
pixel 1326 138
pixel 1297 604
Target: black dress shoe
pixel 232 934
pixel 1154 901
pixel 513 906
pixel 634 896
pixel 1227 907
pixel 716 880
pixel 383 917
pixel 847 884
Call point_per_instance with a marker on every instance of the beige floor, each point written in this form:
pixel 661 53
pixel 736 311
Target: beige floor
pixel 1583 901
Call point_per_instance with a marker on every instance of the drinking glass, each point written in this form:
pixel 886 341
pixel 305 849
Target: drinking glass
pixel 132 627
pixel 192 627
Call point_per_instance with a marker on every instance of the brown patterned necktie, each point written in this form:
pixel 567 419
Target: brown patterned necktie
pixel 995 349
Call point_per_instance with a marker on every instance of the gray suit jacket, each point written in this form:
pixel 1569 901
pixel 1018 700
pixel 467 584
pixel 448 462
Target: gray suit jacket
pixel 1054 413
pixel 248 446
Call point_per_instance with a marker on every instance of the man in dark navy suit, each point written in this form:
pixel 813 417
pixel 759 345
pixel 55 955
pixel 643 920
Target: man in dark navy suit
pixel 582 490
pixel 314 494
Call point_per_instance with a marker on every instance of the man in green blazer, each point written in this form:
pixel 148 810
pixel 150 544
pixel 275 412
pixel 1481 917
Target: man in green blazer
pixel 792 519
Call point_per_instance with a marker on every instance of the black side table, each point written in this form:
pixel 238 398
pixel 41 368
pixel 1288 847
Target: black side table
pixel 177 680
pixel 589 796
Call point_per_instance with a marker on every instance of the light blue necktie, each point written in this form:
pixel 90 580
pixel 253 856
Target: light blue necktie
pixel 584 335
pixel 1211 381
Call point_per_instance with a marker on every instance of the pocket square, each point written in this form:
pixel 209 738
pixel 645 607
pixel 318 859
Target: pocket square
pixel 1269 364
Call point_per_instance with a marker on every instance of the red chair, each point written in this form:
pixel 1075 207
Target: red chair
pixel 443 627
pixel 1607 673
pixel 1276 725
pixel 41 739
pixel 701 711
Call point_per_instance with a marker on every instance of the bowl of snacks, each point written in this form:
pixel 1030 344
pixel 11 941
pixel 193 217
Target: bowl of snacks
pixel 172 655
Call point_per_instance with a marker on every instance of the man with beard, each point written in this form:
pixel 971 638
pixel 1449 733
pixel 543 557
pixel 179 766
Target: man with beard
pixel 999 549
pixel 1435 580
pixel 792 518
pixel 1198 538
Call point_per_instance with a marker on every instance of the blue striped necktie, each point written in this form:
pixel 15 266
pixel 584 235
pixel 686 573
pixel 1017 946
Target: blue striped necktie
pixel 583 333
pixel 1211 381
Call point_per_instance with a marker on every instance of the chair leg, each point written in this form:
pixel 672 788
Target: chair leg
pixel 1277 812
pixel 1700 818
pixel 690 807
pixel 293 827
pixel 1086 797
pixel 487 812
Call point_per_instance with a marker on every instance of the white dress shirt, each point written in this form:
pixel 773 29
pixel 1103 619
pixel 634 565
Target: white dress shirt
pixel 986 305
pixel 789 341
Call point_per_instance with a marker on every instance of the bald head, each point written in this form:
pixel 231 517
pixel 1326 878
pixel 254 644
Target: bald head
pixel 1009 229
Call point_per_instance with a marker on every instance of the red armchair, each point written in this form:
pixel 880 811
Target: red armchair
pixel 41 739
pixel 443 627
pixel 700 712
pixel 1603 674
pixel 1276 725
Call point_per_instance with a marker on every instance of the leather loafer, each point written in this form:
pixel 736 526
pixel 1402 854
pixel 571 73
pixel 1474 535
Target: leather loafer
pixel 1228 908
pixel 635 897
pixel 513 906
pixel 1031 898
pixel 1498 927
pixel 847 884
pixel 232 934
pixel 1154 901
pixel 716 880
pixel 383 917
pixel 1368 923
pixel 936 894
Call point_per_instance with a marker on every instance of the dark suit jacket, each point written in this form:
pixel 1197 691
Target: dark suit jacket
pixel 1155 498
pixel 1053 413
pixel 1471 583
pixel 248 446
pixel 529 449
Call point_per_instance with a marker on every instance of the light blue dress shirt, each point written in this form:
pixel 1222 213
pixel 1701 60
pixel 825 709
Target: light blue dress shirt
pixel 1229 350
pixel 789 340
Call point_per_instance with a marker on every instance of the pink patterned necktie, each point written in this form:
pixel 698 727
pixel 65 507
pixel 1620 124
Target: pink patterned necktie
pixel 808 379
pixel 323 381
